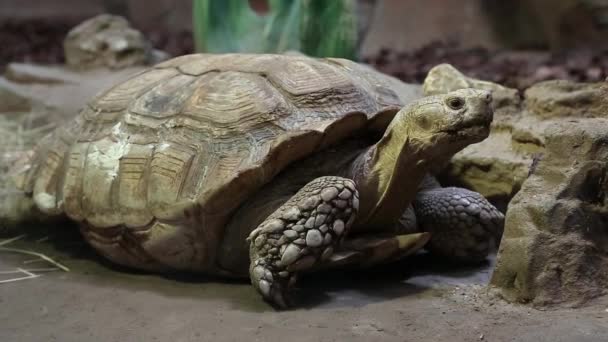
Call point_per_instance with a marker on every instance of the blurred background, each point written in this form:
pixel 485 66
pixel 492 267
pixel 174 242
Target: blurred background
pixel 515 42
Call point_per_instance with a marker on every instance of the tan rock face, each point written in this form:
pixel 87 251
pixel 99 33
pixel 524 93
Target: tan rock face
pixel 107 41
pixel 37 74
pixel 550 151
pixel 559 98
pixel 498 166
pixel 445 78
pixel 555 246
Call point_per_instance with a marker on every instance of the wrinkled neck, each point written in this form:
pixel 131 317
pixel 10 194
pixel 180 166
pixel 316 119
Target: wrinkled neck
pixel 387 175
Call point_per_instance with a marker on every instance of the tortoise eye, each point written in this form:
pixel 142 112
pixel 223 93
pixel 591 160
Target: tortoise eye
pixel 455 102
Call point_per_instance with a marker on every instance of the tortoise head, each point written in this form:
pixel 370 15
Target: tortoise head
pixel 421 138
pixel 449 121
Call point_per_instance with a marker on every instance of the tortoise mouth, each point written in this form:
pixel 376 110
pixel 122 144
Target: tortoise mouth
pixel 480 131
pixel 476 130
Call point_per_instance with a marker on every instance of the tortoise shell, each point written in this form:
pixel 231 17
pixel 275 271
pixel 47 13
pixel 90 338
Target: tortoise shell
pixel 191 138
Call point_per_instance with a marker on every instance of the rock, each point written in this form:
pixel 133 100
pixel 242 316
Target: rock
pixel 36 74
pixel 561 98
pixel 492 168
pixel 444 78
pixel 555 245
pixel 498 166
pixel 55 93
pixel 550 152
pixel 107 41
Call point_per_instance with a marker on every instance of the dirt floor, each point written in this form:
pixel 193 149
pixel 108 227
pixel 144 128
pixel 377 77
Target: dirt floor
pixel 416 300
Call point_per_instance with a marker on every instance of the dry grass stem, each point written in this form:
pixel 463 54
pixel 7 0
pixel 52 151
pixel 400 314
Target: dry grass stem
pixel 7 241
pixel 28 275
pixel 40 255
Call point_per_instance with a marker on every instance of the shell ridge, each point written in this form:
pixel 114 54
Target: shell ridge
pixel 59 185
pixel 82 180
pixel 147 176
pixel 132 82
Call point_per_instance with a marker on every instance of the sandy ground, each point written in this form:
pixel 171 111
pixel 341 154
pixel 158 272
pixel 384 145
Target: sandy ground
pixel 416 300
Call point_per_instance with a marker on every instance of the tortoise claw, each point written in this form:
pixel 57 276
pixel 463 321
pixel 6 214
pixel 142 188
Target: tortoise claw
pixel 273 286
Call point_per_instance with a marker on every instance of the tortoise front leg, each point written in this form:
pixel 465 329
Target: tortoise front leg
pixel 369 251
pixel 464 226
pixel 300 234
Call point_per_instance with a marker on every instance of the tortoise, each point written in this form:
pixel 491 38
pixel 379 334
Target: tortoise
pixel 265 166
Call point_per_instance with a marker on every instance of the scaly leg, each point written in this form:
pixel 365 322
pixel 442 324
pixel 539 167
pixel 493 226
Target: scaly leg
pixel 464 226
pixel 299 235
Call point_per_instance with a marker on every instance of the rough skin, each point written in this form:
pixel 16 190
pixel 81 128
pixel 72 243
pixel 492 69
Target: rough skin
pixel 464 226
pixel 303 232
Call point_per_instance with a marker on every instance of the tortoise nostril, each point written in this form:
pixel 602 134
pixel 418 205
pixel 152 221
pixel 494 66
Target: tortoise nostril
pixel 488 97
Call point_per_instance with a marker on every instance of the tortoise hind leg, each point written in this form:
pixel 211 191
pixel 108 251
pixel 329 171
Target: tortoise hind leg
pixel 300 235
pixel 464 226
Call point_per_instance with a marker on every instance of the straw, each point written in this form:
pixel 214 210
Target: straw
pixel 29 275
pixel 40 255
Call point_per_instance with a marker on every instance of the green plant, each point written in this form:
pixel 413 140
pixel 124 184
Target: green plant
pixel 314 27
